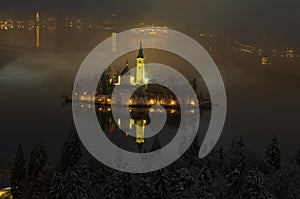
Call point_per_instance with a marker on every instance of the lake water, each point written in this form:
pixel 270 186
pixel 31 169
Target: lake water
pixel 262 101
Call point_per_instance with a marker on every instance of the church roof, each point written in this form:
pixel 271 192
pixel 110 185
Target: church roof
pixel 140 55
pixel 126 69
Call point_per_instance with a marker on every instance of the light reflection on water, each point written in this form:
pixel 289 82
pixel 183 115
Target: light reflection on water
pixel 140 117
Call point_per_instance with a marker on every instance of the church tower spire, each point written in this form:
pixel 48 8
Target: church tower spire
pixel 140 55
pixel 140 66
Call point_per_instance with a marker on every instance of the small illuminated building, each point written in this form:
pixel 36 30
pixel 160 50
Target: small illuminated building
pixel 265 61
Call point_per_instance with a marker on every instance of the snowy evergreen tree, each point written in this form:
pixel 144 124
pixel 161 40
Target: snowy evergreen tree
pixel 18 173
pixel 237 156
pixel 144 186
pixel 181 181
pixel 98 176
pixel 37 161
pixel 278 184
pixel 71 151
pixel 161 184
pixel 56 186
pixel 118 185
pixel 254 186
pixel 273 155
pixel 234 183
pixel 39 187
pixel 205 183
pixel 75 184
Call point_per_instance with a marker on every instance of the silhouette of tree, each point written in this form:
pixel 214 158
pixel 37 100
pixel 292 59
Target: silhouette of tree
pixel 273 155
pixel 18 173
pixel 37 161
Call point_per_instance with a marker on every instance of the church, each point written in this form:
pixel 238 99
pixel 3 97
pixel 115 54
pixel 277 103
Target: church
pixel 131 79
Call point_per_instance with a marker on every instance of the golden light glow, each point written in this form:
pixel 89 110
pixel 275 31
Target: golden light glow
pixel 193 103
pixel 151 101
pixel 173 102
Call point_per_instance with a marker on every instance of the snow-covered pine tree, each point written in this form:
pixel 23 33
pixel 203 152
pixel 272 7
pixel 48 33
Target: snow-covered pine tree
pixel 71 151
pixel 234 183
pixel 237 156
pixel 116 186
pixel 144 186
pixel 18 173
pixel 75 185
pixel 181 181
pixel 278 184
pixel 273 155
pixel 254 186
pixel 161 184
pixel 56 186
pixel 39 187
pixel 37 161
pixel 98 174
pixel 205 183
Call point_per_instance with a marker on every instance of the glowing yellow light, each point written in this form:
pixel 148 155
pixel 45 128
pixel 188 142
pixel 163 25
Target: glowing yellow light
pixel 109 109
pixel 173 102
pixel 108 99
pixel 84 93
pixel 173 111
pixel 193 103
pixel 192 111
pixel 126 134
pixel 151 101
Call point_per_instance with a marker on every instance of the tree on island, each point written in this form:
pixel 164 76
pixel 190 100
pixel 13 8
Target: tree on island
pixel 273 155
pixel 18 173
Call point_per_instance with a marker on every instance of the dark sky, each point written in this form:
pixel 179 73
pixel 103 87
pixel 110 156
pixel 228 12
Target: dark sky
pixel 248 19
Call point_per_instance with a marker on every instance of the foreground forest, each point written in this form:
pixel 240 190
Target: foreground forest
pixel 237 172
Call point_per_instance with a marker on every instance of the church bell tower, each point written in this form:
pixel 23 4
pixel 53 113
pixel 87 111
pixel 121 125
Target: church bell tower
pixel 140 67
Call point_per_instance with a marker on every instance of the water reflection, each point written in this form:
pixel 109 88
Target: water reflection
pixel 137 122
